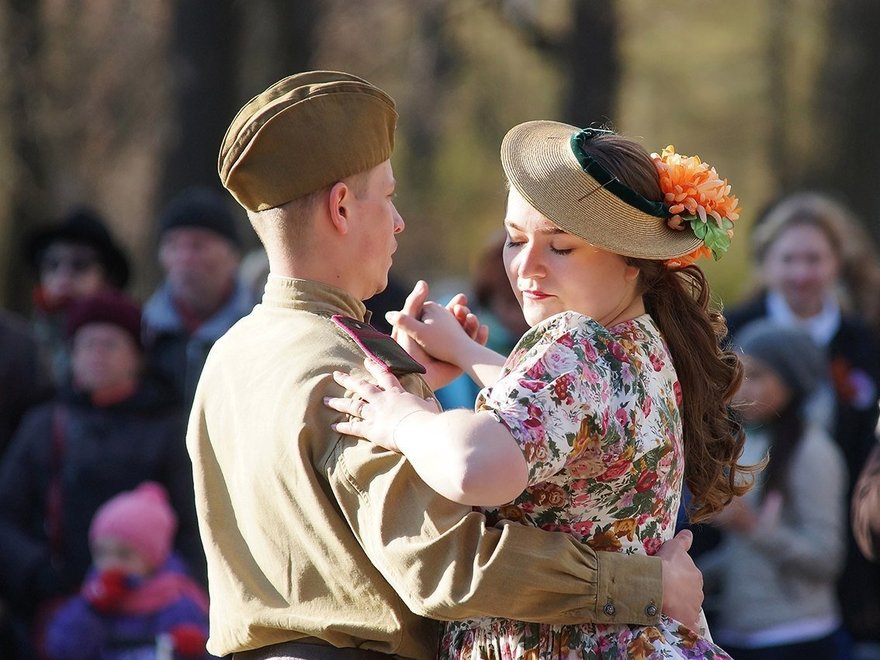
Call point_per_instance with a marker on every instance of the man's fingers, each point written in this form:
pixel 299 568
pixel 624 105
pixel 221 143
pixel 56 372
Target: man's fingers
pixel 417 297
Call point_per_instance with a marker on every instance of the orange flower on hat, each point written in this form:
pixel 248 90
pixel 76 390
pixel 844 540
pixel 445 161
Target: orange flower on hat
pixel 698 197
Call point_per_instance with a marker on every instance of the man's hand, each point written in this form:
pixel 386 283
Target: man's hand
pixel 439 373
pixel 682 581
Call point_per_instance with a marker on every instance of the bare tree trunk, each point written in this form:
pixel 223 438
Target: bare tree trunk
pixel 25 199
pixel 778 146
pixel 849 109
pixel 204 57
pixel 587 53
pixel 296 27
pixel 591 58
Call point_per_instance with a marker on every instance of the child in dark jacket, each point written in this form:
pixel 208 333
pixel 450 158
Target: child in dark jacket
pixel 137 603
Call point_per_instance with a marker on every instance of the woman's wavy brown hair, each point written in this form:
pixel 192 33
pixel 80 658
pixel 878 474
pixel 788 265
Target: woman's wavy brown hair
pixel 679 302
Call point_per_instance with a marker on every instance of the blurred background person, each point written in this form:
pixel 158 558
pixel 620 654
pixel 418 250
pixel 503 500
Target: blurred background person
pixel 72 259
pixel 136 598
pixel 24 376
pixel 866 506
pixel 389 299
pixel 496 306
pixel 107 430
pixel 253 271
pixel 771 584
pixel 201 295
pixel 798 247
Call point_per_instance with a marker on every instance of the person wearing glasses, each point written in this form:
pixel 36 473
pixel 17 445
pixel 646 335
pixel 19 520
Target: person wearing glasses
pixel 73 259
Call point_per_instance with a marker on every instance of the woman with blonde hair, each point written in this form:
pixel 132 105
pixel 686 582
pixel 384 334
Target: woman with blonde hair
pixel 816 266
pixel 617 394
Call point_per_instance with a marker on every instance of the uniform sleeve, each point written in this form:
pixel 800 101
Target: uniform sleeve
pixel 445 563
pixel 551 398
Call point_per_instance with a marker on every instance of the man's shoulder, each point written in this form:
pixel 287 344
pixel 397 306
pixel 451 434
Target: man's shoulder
pixel 303 336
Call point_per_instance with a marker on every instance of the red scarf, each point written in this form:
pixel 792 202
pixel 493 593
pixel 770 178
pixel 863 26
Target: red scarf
pixel 162 590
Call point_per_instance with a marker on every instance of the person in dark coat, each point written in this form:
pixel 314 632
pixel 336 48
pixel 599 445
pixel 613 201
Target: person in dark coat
pixel 798 247
pixel 107 431
pixel 73 258
pixel 201 295
pixel 24 375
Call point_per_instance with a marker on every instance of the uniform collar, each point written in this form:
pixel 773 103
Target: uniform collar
pixel 315 297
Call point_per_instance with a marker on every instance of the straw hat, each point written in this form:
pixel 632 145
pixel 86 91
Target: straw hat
pixel 539 160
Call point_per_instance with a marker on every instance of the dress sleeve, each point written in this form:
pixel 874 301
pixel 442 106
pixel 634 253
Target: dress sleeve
pixel 553 395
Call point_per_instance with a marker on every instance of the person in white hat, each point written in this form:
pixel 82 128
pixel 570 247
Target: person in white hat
pixel 617 394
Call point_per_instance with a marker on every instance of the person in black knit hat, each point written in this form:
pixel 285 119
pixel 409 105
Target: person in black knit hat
pixel 201 296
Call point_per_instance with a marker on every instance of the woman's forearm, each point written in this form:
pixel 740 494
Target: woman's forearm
pixel 482 364
pixel 467 457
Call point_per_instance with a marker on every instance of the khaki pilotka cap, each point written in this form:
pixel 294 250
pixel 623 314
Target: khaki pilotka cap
pixel 303 133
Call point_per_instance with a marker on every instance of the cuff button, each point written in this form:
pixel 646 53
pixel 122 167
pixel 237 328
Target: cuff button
pixel 609 609
pixel 651 610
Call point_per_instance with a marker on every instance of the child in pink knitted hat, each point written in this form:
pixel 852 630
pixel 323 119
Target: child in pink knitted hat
pixel 136 598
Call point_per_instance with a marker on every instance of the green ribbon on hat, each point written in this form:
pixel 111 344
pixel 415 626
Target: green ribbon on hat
pixel 607 180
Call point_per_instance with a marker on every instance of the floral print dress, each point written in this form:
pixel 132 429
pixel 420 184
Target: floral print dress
pixel 596 413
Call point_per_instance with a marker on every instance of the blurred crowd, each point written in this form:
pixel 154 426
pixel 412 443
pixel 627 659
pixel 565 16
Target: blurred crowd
pixel 790 569
pixel 99 548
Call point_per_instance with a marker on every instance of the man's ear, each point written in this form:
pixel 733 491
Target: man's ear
pixel 339 207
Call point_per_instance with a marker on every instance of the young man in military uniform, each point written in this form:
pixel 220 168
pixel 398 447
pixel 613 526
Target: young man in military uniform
pixel 321 545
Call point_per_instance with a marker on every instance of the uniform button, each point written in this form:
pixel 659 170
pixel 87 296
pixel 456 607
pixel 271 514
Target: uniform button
pixel 651 610
pixel 609 609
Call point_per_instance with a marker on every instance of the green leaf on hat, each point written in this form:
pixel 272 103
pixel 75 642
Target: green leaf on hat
pixel 714 237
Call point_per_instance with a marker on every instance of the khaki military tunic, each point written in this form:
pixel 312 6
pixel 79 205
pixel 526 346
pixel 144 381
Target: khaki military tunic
pixel 313 535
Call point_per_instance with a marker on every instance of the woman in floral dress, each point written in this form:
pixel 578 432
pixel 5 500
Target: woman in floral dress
pixel 617 394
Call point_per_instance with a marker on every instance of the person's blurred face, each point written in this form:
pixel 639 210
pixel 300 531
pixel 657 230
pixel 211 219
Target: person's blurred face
pixel 110 553
pixel 70 271
pixel 762 393
pixel 378 224
pixel 104 357
pixel 552 271
pixel 507 310
pixel 199 266
pixel 802 267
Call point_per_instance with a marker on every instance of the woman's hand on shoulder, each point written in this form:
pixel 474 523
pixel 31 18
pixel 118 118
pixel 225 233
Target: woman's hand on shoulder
pixel 376 410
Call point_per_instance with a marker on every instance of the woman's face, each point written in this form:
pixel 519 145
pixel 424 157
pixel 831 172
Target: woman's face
pixel 802 266
pixel 104 357
pixel 70 271
pixel 762 394
pixel 552 271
